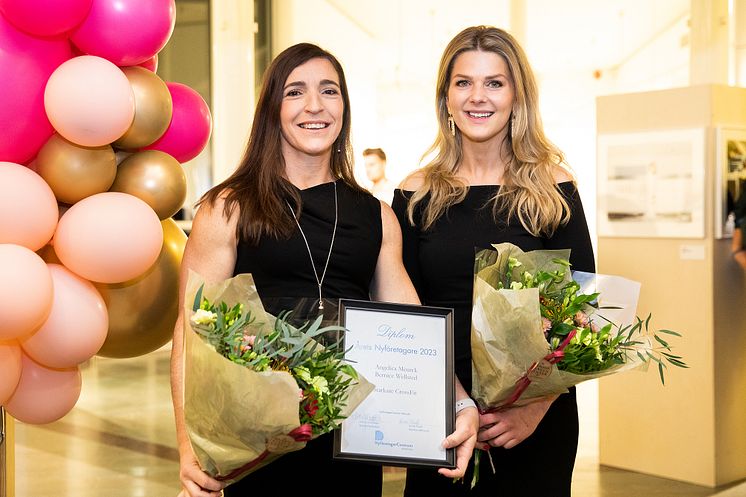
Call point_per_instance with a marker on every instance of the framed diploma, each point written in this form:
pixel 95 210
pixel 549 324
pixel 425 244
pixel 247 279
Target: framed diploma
pixel 406 351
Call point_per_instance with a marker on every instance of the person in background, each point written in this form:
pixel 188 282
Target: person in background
pixel 293 216
pixel 375 169
pixel 494 178
pixel 738 244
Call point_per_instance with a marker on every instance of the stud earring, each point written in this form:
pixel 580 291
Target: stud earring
pixel 451 125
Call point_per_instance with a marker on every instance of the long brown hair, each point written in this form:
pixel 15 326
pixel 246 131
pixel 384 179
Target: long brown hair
pixel 258 187
pixel 529 190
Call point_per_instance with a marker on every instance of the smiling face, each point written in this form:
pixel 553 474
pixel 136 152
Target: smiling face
pixel 481 96
pixel 312 110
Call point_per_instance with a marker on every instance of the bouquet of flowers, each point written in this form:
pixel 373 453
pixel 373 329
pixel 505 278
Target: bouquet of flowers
pixel 537 329
pixel 256 387
pixel 536 333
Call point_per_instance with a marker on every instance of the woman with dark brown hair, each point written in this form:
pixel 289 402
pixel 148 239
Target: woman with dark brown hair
pixel 293 216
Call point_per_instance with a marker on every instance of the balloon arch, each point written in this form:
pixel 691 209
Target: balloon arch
pixel 89 256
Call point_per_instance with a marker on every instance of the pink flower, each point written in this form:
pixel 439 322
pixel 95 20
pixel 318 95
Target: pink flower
pixel 546 325
pixel 581 319
pixel 249 340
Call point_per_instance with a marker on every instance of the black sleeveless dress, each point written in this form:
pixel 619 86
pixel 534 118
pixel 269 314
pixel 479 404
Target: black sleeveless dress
pixel 440 262
pixel 284 278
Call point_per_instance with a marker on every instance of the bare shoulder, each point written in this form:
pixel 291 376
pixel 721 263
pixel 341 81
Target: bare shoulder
pixel 562 174
pixel 212 220
pixel 414 181
pixel 211 246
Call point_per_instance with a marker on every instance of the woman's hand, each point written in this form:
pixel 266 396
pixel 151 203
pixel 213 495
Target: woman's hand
pixel 509 427
pixel 197 483
pixel 463 438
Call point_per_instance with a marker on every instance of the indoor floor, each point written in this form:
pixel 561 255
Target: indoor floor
pixel 119 441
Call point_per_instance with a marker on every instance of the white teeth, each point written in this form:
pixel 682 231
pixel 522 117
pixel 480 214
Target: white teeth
pixel 480 114
pixel 313 125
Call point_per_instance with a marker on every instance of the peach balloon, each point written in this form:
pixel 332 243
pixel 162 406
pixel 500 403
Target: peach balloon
pixel 76 326
pixel 28 209
pixel 143 311
pixel 89 101
pixel 25 291
pixel 109 237
pixel 10 369
pixel 43 394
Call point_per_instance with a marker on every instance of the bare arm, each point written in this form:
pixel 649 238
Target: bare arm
pixel 736 248
pixel 392 284
pixel 211 252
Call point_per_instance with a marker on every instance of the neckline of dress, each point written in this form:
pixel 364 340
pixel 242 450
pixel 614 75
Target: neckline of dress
pixel 561 183
pixel 320 185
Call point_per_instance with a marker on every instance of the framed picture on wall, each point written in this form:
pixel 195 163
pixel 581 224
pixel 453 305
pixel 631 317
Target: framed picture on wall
pixel 730 178
pixel 651 184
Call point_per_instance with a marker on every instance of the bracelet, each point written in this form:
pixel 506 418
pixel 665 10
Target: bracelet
pixel 464 403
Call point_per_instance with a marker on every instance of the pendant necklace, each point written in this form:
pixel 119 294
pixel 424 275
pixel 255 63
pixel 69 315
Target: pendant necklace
pixel 319 281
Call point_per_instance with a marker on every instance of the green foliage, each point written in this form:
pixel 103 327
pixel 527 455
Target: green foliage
pixel 592 348
pixel 321 373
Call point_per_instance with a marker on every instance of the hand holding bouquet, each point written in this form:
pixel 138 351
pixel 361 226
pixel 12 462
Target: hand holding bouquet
pixel 256 387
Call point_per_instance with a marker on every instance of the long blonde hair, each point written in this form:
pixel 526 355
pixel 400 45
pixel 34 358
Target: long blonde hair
pixel 529 190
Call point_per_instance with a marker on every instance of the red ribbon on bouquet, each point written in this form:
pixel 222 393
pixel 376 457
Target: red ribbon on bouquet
pixel 301 434
pixel 524 381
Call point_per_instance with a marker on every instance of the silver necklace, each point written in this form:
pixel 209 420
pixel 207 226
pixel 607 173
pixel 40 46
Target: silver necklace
pixel 319 281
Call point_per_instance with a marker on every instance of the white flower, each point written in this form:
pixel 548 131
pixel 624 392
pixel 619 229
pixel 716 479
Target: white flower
pixel 321 386
pixel 204 317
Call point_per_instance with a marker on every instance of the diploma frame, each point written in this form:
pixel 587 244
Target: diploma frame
pixel 442 335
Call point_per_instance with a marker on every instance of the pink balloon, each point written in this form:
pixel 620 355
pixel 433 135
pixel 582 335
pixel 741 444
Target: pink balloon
pixel 89 101
pixel 126 32
pixel 76 327
pixel 45 17
pixel 190 128
pixel 25 291
pixel 10 370
pixel 109 237
pixel 44 395
pixel 26 64
pixel 28 208
pixel 151 64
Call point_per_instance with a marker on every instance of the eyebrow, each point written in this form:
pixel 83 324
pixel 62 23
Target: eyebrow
pixel 492 76
pixel 302 84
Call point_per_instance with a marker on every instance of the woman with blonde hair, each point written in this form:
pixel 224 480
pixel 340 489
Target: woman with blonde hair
pixel 494 178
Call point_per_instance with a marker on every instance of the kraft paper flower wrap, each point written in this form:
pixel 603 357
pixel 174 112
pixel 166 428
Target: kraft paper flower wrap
pixel 538 330
pixel 239 420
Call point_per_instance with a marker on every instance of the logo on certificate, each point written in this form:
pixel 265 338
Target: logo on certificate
pixel 379 435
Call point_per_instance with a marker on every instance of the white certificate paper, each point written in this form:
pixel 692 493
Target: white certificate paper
pixel 406 353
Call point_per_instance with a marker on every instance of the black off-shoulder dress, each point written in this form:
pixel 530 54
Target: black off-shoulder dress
pixel 440 262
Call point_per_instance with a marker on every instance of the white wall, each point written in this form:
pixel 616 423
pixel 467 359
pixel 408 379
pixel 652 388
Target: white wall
pixel 390 52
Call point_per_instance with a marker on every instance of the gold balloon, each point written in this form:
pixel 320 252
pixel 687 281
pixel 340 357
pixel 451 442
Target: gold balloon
pixel 153 109
pixel 74 172
pixel 155 177
pixel 143 311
